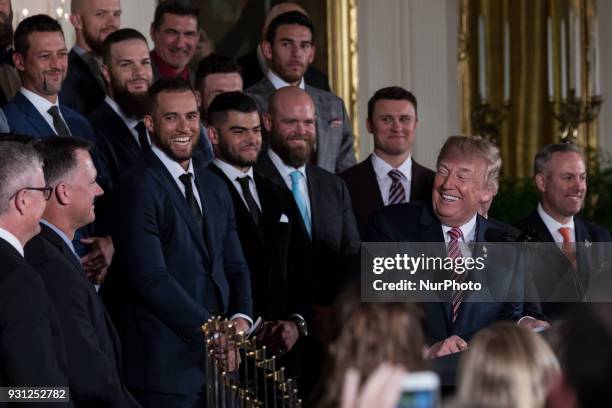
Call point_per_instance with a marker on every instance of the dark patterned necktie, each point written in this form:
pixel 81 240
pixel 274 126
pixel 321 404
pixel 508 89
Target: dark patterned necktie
pixel 397 193
pixel 248 197
pixel 454 252
pixel 190 197
pixel 58 122
pixel 143 140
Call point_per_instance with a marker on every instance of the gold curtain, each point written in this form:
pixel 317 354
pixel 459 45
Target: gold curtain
pixel 529 122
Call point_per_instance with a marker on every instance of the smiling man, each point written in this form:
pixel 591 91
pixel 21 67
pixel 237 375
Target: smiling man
pixel 390 175
pixel 464 168
pixel 179 256
pixel 175 33
pixel 93 20
pixel 118 121
pixel 560 177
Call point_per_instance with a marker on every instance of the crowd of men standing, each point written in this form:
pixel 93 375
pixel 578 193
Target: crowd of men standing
pixel 138 198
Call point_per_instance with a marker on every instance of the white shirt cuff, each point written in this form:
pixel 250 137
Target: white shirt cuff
pixel 243 316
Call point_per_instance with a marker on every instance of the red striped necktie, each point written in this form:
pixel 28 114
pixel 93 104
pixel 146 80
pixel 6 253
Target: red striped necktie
pixel 454 252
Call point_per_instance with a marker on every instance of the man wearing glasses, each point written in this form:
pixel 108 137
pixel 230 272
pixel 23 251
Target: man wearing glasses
pixel 32 346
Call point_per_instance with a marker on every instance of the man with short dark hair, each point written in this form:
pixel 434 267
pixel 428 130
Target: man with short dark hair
pixel 267 222
pixel 93 20
pixel 175 34
pixel 118 120
pixel 41 58
pixel 254 65
pixel 289 50
pixel 560 177
pixel 93 349
pixel 390 175
pixel 178 255
pixel 32 352
pixel 216 74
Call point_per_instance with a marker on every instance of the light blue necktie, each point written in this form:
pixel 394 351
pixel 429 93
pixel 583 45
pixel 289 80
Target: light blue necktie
pixel 296 177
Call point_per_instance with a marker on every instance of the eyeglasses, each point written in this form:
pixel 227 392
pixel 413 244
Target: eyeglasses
pixel 46 190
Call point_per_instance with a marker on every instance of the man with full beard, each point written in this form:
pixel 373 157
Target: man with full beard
pixel 117 121
pixel 93 21
pixel 9 79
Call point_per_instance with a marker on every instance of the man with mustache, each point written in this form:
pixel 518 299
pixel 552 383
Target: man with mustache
pixel 92 346
pixel 9 79
pixel 289 50
pixel 93 20
pixel 560 177
pixel 175 33
pixel 41 57
pixel 118 120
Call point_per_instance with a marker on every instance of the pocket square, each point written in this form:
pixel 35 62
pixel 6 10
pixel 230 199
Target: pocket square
pixel 283 219
pixel 335 123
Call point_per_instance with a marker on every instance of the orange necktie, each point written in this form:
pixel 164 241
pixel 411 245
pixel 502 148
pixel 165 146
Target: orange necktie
pixel 568 247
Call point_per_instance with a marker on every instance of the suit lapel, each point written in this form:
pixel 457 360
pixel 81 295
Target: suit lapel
pixel 59 243
pixel 122 134
pixel 370 184
pixel 163 177
pixel 34 118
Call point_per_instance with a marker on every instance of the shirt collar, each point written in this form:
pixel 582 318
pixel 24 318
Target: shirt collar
pixel 230 171
pixel 61 234
pixel 283 169
pixel 552 224
pixel 41 104
pixel 166 71
pixel 468 230
pixel 278 83
pixel 12 240
pixel 175 169
pixel 382 168
pixel 79 50
pixel 130 121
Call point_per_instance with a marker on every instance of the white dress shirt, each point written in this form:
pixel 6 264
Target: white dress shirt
pixel 285 171
pixel 129 121
pixel 233 173
pixel 382 169
pixel 554 225
pixel 42 105
pixel 12 240
pixel 278 83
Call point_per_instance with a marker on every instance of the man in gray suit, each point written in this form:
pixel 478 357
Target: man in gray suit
pixel 289 49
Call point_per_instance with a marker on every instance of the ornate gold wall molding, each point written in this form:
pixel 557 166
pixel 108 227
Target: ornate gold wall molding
pixel 343 57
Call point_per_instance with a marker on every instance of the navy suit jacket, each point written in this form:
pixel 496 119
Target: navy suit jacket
pixel 558 283
pixel 80 90
pixel 94 357
pixel 365 194
pixel 32 350
pixel 416 222
pixel 166 267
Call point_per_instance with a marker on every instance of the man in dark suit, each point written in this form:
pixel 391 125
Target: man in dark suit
pixel 36 111
pixel 390 175
pixel 460 185
pixel 266 217
pixel 321 197
pixel 32 351
pixel 254 65
pixel 118 120
pixel 560 177
pixel 93 349
pixel 289 51
pixel 175 34
pixel 93 20
pixel 179 257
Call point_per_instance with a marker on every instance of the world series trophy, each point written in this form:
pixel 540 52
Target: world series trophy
pixel 258 382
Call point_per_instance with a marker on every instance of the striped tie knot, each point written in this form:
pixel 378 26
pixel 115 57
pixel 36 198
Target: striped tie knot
pixel 455 233
pixel 395 175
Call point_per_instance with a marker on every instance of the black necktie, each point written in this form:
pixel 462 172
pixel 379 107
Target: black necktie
pixel 58 122
pixel 191 200
pixel 142 137
pixel 248 197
